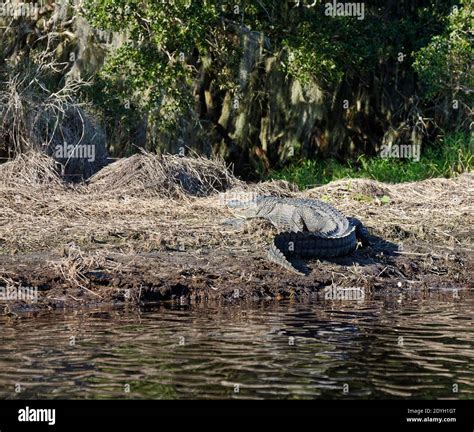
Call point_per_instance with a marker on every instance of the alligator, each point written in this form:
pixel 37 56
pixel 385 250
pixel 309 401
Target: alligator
pixel 307 228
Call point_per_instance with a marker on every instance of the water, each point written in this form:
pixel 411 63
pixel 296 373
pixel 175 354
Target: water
pixel 417 345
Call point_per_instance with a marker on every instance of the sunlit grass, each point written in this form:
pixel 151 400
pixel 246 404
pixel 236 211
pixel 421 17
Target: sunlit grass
pixel 453 154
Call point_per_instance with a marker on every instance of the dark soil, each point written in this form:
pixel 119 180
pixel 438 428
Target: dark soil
pixel 195 276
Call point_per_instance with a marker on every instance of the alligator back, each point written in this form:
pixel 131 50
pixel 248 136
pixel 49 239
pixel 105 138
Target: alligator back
pixel 289 214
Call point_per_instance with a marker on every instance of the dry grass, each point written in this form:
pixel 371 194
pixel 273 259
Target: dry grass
pixel 151 203
pixel 74 264
pixel 41 112
pixel 439 211
pixel 272 187
pixel 168 176
pixel 30 170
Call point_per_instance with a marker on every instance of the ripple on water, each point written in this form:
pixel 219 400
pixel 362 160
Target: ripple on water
pixel 415 346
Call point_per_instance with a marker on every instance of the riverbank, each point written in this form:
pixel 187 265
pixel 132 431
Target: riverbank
pixel 107 242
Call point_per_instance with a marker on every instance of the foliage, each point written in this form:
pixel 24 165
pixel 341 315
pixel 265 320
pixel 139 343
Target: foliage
pixel 179 54
pixel 453 154
pixel 445 64
pixel 155 68
pixel 171 40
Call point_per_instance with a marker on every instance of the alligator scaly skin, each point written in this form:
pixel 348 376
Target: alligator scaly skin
pixel 308 228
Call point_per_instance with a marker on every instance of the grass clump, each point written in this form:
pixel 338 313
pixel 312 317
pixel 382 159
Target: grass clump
pixel 32 169
pixel 165 175
pixel 452 155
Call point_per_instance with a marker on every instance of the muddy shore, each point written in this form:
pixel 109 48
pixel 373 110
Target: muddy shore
pixel 77 247
pixel 194 277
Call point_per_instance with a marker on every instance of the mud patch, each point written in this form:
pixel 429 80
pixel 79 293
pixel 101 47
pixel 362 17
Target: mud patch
pixel 229 277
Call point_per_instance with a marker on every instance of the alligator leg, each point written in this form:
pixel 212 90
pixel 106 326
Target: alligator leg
pixel 361 231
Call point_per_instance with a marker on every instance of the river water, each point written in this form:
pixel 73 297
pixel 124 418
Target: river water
pixel 409 345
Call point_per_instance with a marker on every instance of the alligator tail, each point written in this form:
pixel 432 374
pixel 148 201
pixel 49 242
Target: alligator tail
pixel 308 244
pixel 276 255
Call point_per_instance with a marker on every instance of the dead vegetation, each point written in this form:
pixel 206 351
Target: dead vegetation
pixel 166 176
pixel 74 266
pixel 40 112
pixel 144 203
pixel 157 225
pixel 437 211
pixel 31 170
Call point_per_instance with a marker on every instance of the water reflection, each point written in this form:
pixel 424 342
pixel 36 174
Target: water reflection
pixel 415 345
